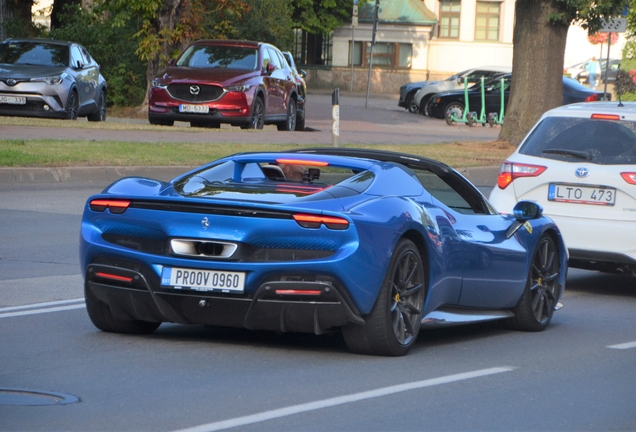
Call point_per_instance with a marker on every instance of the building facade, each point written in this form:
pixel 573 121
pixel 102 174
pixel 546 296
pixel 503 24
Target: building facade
pixel 419 40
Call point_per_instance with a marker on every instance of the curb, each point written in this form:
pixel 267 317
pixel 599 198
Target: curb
pixel 479 176
pixel 86 174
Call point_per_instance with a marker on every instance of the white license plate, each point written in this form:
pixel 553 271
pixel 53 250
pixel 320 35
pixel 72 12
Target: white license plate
pixel 203 280
pixel 578 194
pixel 198 109
pixel 13 100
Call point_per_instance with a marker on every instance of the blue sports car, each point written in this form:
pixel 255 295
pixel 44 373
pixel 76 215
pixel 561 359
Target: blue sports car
pixel 370 243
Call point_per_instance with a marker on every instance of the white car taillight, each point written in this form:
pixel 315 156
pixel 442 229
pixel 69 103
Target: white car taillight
pixel 629 177
pixel 510 171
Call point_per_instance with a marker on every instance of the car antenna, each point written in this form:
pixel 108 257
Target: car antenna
pixel 618 92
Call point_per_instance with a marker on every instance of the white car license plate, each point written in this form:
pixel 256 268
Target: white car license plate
pixel 13 100
pixel 198 109
pixel 578 194
pixel 203 280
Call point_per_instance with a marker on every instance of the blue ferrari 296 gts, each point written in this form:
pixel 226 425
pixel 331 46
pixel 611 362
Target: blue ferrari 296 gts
pixel 370 243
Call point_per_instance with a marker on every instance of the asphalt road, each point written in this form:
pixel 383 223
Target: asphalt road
pixel 576 376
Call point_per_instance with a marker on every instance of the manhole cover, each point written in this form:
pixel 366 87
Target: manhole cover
pixel 14 396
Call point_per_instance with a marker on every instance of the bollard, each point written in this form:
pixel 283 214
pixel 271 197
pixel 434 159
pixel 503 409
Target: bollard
pixel 335 116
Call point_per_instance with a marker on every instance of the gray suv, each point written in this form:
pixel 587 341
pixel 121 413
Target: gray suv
pixel 49 78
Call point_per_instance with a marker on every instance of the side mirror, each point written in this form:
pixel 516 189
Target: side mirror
pixel 523 212
pixel 270 68
pixel 527 210
pixel 302 73
pixel 79 65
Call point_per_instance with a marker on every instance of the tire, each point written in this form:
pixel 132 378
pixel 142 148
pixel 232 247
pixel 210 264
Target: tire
pixel 258 115
pixel 103 319
pixel 424 105
pixel 300 123
pixel 72 106
pixel 410 103
pixel 99 114
pixel 290 123
pixel 453 108
pixel 470 119
pixel 392 326
pixel 209 125
pixel 536 305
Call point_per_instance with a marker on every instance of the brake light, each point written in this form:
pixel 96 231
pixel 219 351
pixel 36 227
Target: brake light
pixel 314 221
pixel 115 206
pixel 510 171
pixel 591 98
pixel 301 162
pixel 629 177
pixel 606 117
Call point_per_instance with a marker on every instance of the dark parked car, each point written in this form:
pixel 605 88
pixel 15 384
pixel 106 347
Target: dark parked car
pixel 415 96
pixel 49 78
pixel 243 83
pixel 299 75
pixel 368 243
pixel 444 102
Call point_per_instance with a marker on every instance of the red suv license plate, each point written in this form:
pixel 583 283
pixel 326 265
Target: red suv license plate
pixel 198 109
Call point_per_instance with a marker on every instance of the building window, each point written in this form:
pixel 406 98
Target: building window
pixel 388 55
pixel 313 49
pixel 487 21
pixel 449 11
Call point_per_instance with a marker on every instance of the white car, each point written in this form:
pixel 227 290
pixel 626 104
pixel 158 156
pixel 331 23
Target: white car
pixel 579 163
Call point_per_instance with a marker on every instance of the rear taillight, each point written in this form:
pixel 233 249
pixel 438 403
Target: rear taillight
pixel 510 171
pixel 314 221
pixel 629 177
pixel 115 206
pixel 592 98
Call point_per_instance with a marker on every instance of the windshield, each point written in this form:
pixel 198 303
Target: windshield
pixel 605 142
pixel 34 53
pixel 227 57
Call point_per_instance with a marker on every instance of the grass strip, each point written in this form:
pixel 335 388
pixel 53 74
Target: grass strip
pixel 63 153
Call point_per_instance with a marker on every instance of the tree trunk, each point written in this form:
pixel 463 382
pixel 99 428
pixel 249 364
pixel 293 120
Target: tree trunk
pixel 58 9
pixel 18 11
pixel 167 19
pixel 537 67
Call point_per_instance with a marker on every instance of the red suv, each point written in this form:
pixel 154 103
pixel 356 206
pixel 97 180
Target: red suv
pixel 243 83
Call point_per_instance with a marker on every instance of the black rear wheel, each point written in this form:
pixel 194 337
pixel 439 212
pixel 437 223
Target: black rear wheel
pixel 424 105
pixel 102 317
pixel 393 324
pixel 536 306
pixel 100 113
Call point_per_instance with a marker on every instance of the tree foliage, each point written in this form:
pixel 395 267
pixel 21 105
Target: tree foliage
pixel 268 21
pixel 121 67
pixel 321 16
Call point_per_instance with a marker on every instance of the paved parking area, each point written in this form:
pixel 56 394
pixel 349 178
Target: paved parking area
pixel 376 121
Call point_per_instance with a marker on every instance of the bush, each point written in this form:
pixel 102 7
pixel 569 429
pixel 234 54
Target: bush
pixel 113 47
